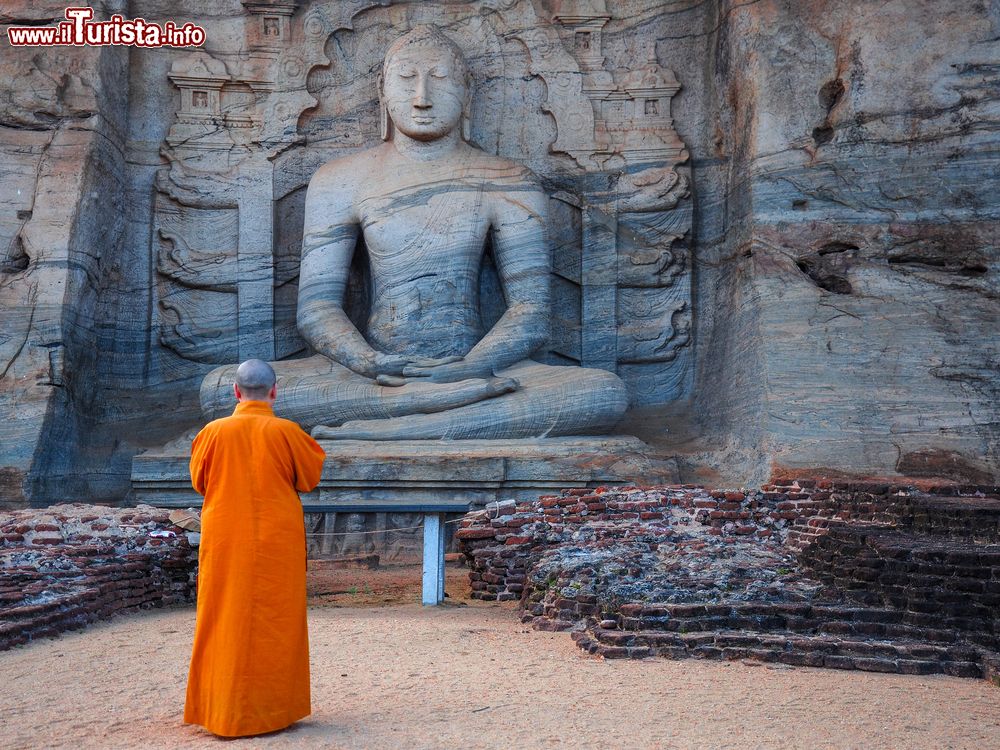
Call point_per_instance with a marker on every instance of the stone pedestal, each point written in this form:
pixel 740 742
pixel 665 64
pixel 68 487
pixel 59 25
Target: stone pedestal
pixel 425 475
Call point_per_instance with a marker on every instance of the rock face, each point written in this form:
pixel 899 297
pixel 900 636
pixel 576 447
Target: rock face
pixel 850 259
pixel 62 128
pixel 774 221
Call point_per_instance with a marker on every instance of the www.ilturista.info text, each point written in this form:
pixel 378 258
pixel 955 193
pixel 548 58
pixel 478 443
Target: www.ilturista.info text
pixel 78 30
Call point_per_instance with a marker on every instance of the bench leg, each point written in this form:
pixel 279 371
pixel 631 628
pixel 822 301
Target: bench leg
pixel 433 576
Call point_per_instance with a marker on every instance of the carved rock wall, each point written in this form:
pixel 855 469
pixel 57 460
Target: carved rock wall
pixel 62 120
pixel 776 220
pixel 852 261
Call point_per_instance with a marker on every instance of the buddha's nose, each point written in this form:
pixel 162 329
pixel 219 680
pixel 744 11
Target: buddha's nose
pixel 420 98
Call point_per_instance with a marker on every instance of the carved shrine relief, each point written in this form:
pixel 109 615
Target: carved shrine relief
pixel 197 279
pixel 236 143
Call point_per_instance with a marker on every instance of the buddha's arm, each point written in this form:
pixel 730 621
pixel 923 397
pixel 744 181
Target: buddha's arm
pixel 329 238
pixel 522 260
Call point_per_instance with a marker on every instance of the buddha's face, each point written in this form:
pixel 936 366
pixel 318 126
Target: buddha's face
pixel 424 90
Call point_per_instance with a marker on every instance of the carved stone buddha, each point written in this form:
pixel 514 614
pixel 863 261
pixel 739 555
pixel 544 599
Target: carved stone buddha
pixel 427 203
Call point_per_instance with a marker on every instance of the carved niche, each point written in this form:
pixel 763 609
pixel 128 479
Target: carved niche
pixel 250 133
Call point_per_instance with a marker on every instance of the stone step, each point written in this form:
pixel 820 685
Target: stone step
pixel 902 657
pixel 972 518
pixel 801 618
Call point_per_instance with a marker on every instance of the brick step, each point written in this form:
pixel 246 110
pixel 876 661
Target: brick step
pixel 52 604
pixel 909 544
pixel 901 657
pixel 807 626
pixel 746 609
pixel 906 562
pixel 973 518
pixel 953 578
pixel 945 603
pixel 865 622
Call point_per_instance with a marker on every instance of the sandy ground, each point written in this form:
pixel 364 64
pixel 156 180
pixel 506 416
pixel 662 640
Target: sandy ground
pixel 469 675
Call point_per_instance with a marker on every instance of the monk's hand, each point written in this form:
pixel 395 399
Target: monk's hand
pixel 450 372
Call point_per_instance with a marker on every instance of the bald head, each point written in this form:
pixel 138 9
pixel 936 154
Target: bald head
pixel 255 380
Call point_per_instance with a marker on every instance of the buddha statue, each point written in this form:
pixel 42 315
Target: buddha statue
pixel 426 203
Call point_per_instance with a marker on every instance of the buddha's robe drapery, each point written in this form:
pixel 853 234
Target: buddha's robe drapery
pixel 250 663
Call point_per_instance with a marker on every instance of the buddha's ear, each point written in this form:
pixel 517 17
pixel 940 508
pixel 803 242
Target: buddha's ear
pixel 467 112
pixel 384 121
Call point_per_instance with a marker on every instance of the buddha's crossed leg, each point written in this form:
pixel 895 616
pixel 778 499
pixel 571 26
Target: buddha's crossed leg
pixel 318 391
pixel 549 401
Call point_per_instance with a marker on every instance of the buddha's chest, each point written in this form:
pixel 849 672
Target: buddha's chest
pixel 444 225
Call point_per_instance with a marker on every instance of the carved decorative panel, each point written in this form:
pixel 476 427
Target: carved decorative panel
pixel 197 273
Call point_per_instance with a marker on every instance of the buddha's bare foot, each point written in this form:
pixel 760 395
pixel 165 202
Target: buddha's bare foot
pixel 414 426
pixel 370 429
pixel 421 397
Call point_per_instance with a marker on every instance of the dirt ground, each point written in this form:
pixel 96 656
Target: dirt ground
pixel 387 674
pixel 357 586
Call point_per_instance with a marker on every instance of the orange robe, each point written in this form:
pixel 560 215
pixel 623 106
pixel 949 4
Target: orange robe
pixel 250 664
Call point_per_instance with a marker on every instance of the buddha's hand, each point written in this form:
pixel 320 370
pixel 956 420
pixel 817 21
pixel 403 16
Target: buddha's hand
pixel 382 364
pixel 390 369
pixel 449 372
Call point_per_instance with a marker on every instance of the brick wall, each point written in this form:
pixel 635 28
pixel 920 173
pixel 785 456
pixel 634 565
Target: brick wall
pixel 502 541
pixel 65 566
pixel 853 575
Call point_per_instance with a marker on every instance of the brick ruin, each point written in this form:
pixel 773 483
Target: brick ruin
pixel 851 575
pixel 66 566
pixel 854 575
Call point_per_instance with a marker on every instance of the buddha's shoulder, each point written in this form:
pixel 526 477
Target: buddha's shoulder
pixel 500 167
pixel 346 170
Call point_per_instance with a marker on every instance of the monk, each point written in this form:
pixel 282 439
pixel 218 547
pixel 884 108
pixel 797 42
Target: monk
pixel 250 663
